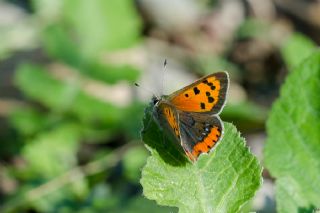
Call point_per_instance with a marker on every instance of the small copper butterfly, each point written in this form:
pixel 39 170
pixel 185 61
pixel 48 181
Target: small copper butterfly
pixel 191 114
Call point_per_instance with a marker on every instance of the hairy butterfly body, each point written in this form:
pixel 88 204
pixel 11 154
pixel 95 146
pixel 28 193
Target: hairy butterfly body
pixel 191 114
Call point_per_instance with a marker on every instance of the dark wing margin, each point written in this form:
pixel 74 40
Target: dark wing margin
pixel 224 82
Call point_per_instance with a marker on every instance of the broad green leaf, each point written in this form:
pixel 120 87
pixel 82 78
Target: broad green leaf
pixel 292 152
pixel 222 181
pixel 297 48
pixel 289 197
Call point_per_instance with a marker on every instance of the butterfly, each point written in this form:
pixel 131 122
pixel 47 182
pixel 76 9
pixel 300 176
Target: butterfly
pixel 191 114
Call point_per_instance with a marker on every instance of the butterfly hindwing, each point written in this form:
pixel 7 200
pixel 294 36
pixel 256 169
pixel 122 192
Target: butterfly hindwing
pixel 208 94
pixel 199 133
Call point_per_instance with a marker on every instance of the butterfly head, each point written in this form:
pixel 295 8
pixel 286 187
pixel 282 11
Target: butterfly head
pixel 155 100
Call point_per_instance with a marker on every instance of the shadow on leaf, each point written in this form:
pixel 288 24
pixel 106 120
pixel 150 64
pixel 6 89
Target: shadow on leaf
pixel 160 140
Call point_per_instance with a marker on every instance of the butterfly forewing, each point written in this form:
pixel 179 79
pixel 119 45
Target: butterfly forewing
pixel 199 133
pixel 208 94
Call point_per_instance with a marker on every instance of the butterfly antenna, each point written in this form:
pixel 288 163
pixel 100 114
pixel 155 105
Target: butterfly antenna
pixel 163 74
pixel 146 90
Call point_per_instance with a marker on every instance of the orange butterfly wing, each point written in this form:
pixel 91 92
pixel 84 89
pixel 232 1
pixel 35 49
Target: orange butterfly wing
pixel 207 94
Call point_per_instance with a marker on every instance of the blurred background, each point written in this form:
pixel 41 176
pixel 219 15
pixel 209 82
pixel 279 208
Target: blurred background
pixel 70 115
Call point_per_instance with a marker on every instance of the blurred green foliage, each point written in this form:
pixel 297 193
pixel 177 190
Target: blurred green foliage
pixel 66 149
pixel 68 97
pixel 96 25
pixel 60 46
pixel 61 117
pixel 245 115
pixel 294 151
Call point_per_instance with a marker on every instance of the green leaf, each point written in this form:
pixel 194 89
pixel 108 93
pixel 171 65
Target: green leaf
pixel 27 120
pixel 222 181
pixel 288 192
pixel 103 25
pixel 60 144
pixel 59 44
pixel 297 48
pixel 293 147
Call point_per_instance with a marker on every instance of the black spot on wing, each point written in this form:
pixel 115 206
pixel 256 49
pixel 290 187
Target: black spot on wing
pixel 210 99
pixel 196 90
pixel 202 105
